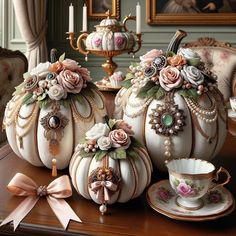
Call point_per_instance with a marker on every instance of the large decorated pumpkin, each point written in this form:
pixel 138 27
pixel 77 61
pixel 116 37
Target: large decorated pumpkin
pixel 174 106
pixel 110 166
pixel 51 111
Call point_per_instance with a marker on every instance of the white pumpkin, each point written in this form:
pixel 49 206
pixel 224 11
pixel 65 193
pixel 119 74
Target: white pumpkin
pixel 129 176
pixel 109 36
pixel 200 137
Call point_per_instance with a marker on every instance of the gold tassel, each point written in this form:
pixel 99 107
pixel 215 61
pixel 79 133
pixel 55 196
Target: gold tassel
pixel 54 147
pixel 54 167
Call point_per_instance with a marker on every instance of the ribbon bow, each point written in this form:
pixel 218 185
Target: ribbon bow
pixel 22 185
pixel 102 188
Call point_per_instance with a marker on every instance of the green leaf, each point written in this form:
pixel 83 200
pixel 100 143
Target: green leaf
pixel 26 75
pixel 189 93
pixel 130 152
pixel 129 76
pixel 143 91
pixel 100 154
pixel 170 54
pixel 160 93
pixel 111 123
pixel 65 103
pixel 62 57
pixel 27 97
pixel 151 92
pixel 77 97
pixel 19 89
pixel 86 154
pixel 45 103
pixel 41 97
pixel 88 92
pixel 118 153
pixel 91 85
pixel 127 83
pixel 136 143
pixel 134 64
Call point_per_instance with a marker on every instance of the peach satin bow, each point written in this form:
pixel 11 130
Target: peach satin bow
pixel 22 185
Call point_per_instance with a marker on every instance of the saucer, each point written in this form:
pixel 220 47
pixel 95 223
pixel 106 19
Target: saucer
pixel 217 203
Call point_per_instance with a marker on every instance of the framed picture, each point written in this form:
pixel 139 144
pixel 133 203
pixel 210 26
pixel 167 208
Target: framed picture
pixel 97 9
pixel 191 12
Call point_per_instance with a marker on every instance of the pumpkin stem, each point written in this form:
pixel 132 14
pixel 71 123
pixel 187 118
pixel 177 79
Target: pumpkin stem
pixel 175 41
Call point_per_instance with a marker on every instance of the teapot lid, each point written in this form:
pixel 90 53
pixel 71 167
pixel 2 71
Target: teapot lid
pixel 108 21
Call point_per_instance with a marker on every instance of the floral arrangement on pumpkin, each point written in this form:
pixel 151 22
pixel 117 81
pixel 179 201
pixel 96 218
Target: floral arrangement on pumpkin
pixel 60 81
pixel 160 72
pixel 114 138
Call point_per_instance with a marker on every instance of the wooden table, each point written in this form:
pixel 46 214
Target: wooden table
pixel 132 218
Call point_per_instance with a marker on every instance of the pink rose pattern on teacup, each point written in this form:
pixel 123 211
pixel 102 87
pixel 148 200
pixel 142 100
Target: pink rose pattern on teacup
pixel 164 194
pixel 97 41
pixel 214 197
pixel 170 78
pixel 119 41
pixel 185 190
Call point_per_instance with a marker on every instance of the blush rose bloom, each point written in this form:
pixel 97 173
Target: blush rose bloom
pixel 56 67
pixel 97 131
pixel 72 82
pixel 85 73
pixel 56 92
pixel 176 60
pixel 119 138
pixel 192 75
pixel 120 124
pixel 104 143
pixel 69 64
pixel 170 78
pixel 185 190
pixel 150 56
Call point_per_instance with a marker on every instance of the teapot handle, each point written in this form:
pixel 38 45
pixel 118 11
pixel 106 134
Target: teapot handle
pixel 129 17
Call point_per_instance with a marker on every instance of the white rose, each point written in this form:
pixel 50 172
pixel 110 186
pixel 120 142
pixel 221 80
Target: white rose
pixel 104 143
pixel 193 75
pixel 97 131
pixel 42 83
pixel 192 57
pixel 42 69
pixel 56 92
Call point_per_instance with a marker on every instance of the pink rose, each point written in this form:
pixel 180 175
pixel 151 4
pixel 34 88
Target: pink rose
pixel 185 190
pixel 72 82
pixel 119 138
pixel 120 124
pixel 150 56
pixel 170 78
pixel 69 64
pixel 97 41
pixel 119 40
pixel 85 73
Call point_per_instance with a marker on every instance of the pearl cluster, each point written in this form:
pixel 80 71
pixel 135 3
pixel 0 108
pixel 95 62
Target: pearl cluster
pixel 87 147
pixel 167 146
pixel 208 115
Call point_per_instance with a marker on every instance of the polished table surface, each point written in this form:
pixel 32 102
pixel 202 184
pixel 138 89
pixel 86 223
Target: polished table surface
pixel 132 218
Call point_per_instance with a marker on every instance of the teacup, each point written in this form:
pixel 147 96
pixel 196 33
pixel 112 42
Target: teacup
pixel 232 101
pixel 191 179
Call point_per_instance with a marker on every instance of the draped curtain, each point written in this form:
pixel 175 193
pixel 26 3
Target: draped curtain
pixel 31 18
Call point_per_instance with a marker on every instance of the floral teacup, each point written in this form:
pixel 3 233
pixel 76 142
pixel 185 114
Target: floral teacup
pixel 191 179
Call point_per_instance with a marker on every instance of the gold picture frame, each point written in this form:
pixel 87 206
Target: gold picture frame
pixel 97 9
pixel 155 15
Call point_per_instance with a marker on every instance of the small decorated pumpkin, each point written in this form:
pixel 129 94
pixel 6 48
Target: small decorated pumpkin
pixel 174 106
pixel 109 36
pixel 50 111
pixel 111 165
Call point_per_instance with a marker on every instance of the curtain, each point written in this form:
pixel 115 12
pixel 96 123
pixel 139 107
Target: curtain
pixel 31 18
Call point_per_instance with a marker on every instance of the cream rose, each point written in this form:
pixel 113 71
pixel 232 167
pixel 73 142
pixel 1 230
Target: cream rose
pixel 192 57
pixel 193 75
pixel 119 138
pixel 104 143
pixel 69 64
pixel 56 92
pixel 72 82
pixel 97 131
pixel 42 69
pixel 150 56
pixel 170 78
